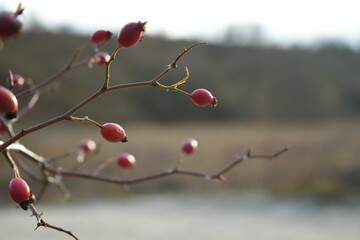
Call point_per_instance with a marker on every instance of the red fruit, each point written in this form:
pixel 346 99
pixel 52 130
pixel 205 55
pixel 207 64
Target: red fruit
pixel 202 97
pixel 9 25
pixel 100 37
pixel 131 34
pixel 101 58
pixel 16 81
pixel 113 132
pixel 189 146
pixel 8 103
pixel 88 146
pixel 126 160
pixel 19 190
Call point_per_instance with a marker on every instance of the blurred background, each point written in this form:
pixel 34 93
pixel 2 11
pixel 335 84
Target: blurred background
pixel 286 74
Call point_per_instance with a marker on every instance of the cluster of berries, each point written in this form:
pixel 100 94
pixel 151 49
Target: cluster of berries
pixel 129 36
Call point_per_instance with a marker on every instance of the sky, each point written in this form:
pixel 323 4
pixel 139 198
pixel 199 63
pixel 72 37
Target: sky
pixel 285 22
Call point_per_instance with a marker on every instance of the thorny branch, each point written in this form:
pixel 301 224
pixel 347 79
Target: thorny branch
pixel 41 222
pixel 55 175
pixel 171 171
pixel 55 172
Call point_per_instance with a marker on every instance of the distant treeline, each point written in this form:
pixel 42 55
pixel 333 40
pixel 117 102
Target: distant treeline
pixel 251 83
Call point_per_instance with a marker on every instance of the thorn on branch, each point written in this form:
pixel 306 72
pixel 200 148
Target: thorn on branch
pixel 42 223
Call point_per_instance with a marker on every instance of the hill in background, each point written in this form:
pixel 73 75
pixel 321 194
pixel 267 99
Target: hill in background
pixel 252 83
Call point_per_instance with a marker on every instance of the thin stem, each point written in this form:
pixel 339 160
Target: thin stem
pixel 102 166
pixel 34 99
pixel 12 163
pixel 130 85
pixel 108 64
pixel 84 119
pixel 25 169
pixel 62 155
pixel 51 79
pixel 247 156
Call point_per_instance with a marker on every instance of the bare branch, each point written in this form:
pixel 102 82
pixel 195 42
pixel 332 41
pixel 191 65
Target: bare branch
pixel 171 171
pixel 42 223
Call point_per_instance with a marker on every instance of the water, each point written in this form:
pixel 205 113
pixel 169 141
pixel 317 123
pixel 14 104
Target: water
pixel 179 217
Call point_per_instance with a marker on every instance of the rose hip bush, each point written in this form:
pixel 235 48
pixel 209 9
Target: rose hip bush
pixel 50 169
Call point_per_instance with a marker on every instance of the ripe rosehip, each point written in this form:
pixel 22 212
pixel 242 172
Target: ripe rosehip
pixel 8 103
pixel 131 34
pixel 100 37
pixel 126 160
pixel 88 146
pixel 101 58
pixel 189 146
pixel 10 26
pixel 113 132
pixel 19 190
pixel 16 81
pixel 202 97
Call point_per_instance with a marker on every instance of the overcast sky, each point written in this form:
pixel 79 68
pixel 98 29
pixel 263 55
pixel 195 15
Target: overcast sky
pixel 283 21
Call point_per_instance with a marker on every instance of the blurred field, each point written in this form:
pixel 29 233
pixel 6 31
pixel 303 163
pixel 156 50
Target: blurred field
pixel 305 85
pixel 323 160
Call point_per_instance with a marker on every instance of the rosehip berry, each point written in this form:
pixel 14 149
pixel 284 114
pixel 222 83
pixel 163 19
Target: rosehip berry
pixel 131 34
pixel 88 146
pixel 100 37
pixel 189 146
pixel 101 58
pixel 16 81
pixel 8 103
pixel 202 97
pixel 113 132
pixel 10 26
pixel 19 190
pixel 126 160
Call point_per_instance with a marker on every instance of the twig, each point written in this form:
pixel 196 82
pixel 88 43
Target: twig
pixel 70 65
pixel 165 173
pixel 42 223
pixel 247 156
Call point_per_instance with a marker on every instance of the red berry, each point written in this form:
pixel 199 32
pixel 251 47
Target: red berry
pixel 189 146
pixel 203 97
pixel 131 34
pixel 126 160
pixel 19 190
pixel 88 146
pixel 100 37
pixel 16 81
pixel 8 103
pixel 101 58
pixel 9 25
pixel 113 132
